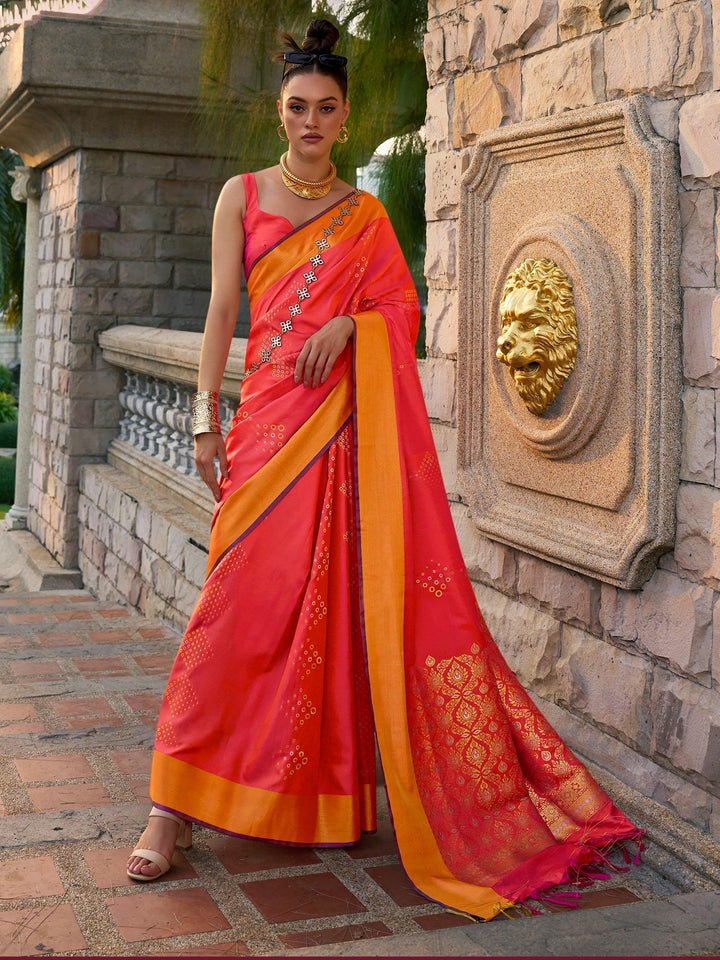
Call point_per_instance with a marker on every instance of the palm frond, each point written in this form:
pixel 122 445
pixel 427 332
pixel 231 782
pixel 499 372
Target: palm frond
pixel 12 242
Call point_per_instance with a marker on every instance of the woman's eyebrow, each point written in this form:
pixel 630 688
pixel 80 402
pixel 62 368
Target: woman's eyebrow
pixel 302 99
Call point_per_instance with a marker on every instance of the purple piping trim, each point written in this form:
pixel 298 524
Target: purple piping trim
pixel 250 836
pixel 279 497
pixel 334 206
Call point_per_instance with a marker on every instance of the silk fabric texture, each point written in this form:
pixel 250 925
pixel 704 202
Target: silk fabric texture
pixel 337 605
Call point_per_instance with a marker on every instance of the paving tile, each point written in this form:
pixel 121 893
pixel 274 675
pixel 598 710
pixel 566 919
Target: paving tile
pixel 40 601
pixel 13 729
pixel 157 633
pixel 108 868
pixel 82 707
pixel 589 899
pixel 71 766
pixel 36 670
pixel 114 613
pixel 40 931
pixel 30 877
pixel 155 663
pixel 215 950
pixel 306 897
pixel 27 618
pixel 133 761
pixel 380 844
pixel 68 796
pixel 12 712
pixel 249 856
pixel 14 642
pixel 144 702
pixel 395 883
pixel 347 934
pixel 110 636
pixel 141 788
pixel 102 667
pixel 91 723
pixel 169 913
pixel 441 921
pixel 63 616
pixel 59 640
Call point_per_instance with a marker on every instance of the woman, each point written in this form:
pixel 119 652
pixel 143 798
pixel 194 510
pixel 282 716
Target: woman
pixel 337 604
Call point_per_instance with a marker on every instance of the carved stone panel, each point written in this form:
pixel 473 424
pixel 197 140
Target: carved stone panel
pixel 591 482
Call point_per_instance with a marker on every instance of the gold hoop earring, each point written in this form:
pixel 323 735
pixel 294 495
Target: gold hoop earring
pixel 280 129
pixel 343 135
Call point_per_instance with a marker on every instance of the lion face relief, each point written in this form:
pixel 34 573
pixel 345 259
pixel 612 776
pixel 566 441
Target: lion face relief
pixel 539 336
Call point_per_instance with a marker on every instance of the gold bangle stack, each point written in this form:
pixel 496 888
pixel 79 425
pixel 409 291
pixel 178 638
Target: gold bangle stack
pixel 205 412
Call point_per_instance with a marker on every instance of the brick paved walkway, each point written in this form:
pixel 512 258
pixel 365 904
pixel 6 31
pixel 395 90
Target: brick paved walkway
pixel 80 687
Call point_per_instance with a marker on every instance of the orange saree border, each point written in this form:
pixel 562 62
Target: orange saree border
pixel 246 505
pixel 314 820
pixel 383 583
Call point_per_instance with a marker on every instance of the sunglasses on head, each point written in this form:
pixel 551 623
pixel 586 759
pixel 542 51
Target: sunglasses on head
pixel 297 57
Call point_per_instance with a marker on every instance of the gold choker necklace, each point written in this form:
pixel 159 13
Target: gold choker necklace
pixel 307 189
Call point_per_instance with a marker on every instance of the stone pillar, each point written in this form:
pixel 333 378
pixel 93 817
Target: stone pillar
pixel 104 105
pixel 26 188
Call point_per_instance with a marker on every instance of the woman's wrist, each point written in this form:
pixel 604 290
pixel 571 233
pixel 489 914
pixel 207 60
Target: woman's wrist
pixel 205 412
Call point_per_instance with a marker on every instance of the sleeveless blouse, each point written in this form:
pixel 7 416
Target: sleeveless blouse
pixel 262 229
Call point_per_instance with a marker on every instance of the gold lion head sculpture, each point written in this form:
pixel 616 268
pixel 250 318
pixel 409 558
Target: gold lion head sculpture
pixel 539 338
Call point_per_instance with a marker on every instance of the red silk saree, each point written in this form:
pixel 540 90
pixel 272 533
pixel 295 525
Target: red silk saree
pixel 337 607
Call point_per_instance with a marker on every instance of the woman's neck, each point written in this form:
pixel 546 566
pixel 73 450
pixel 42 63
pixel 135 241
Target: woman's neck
pixel 308 169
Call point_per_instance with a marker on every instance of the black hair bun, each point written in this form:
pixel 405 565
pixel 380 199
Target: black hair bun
pixel 320 37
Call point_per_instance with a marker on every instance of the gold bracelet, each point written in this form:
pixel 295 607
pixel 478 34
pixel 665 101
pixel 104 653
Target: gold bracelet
pixel 205 412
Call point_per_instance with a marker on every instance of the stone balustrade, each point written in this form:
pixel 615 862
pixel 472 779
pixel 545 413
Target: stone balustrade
pixel 160 377
pixel 144 516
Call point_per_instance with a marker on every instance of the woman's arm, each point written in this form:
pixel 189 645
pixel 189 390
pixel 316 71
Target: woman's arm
pixel 228 245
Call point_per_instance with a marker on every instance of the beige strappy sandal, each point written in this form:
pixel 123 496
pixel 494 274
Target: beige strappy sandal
pixel 184 842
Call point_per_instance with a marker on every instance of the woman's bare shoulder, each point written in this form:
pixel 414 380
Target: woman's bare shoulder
pixel 232 196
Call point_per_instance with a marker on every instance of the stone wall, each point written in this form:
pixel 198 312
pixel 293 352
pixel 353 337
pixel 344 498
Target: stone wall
pixel 9 345
pixel 124 237
pixel 631 678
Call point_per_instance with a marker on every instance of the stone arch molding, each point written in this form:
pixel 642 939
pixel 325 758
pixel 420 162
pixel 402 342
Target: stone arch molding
pixel 591 483
pixel 573 419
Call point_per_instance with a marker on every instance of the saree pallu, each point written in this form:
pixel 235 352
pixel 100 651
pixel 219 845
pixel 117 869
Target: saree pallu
pixel 337 608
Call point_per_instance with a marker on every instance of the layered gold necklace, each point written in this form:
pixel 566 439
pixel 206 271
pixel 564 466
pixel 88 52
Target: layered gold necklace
pixel 307 189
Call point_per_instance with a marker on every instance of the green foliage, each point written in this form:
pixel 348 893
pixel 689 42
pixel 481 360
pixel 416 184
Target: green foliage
pixel 239 81
pixel 8 410
pixel 12 242
pixel 8 435
pixel 6 380
pixel 400 181
pixel 382 39
pixel 7 479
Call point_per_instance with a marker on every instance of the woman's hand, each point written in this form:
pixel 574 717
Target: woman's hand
pixel 317 357
pixel 208 447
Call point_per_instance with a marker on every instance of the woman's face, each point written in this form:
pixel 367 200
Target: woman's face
pixel 312 109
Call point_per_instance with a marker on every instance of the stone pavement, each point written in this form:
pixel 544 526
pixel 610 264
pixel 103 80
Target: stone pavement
pixel 80 687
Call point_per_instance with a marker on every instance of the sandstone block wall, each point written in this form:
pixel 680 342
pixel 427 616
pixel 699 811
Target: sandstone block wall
pixel 124 237
pixel 631 678
pixel 140 545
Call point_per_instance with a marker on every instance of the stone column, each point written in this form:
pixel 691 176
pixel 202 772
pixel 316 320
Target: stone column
pixel 105 105
pixel 26 188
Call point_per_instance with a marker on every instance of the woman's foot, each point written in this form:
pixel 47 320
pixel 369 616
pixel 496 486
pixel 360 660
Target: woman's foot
pixel 153 854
